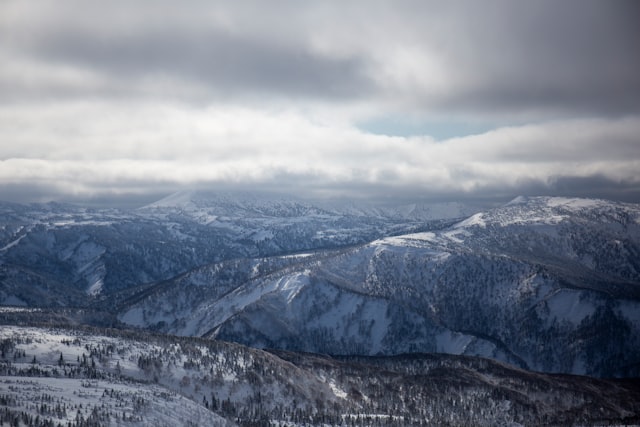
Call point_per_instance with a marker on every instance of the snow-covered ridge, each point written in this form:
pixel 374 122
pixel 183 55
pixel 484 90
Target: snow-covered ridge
pixel 553 210
pixel 93 252
pixel 177 199
pixel 212 204
pixel 109 377
pixel 491 285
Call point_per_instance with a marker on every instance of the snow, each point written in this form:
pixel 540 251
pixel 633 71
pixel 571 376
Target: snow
pixel 131 393
pixel 177 199
pixel 300 255
pixel 474 220
pixel 134 317
pixel 149 405
pixel 211 314
pixel 569 305
pixel 18 309
pixel 95 288
pixel 452 342
pixel 290 286
pixel 262 235
pixel 337 390
pixel 574 203
pixel 396 270
pixel 518 201
pixel 454 235
pixel 12 244
pixel 413 239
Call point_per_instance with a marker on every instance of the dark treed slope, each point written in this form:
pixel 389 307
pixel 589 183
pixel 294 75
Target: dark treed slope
pixel 106 377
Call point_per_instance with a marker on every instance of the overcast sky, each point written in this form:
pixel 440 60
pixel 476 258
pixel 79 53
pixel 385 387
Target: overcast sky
pixel 131 100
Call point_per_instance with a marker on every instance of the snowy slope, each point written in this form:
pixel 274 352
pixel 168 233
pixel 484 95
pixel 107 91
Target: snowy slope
pixel 550 284
pixel 107 377
pixel 75 253
pixel 546 283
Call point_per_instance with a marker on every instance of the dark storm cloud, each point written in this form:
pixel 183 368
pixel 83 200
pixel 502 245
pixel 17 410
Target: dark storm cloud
pixel 493 57
pixel 224 63
pixel 105 99
pixel 576 57
pixel 594 186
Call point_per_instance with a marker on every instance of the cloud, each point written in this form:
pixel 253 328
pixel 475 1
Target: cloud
pixel 223 63
pixel 104 99
pixel 150 147
pixel 219 55
pixel 497 57
pixel 575 57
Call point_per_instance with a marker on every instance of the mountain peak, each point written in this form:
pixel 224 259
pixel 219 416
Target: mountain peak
pixel 179 198
pixel 518 201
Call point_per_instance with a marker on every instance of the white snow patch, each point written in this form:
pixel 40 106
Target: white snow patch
pixel 573 202
pixel 337 390
pixel 12 244
pixel 134 316
pixel 413 240
pixel 452 342
pixel 95 288
pixel 454 235
pixel 301 255
pixel 290 286
pixel 212 314
pixel 567 304
pixel 518 201
pixel 474 220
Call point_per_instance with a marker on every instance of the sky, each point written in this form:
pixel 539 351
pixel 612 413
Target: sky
pixel 127 101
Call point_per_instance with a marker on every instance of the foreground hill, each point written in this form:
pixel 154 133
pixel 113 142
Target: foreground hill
pixel 549 284
pixel 70 376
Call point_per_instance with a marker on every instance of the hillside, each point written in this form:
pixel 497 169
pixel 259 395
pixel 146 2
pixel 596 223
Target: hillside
pixel 548 284
pixel 72 376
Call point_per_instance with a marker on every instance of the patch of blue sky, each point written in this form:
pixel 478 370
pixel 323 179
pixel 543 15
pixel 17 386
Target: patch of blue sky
pixel 439 130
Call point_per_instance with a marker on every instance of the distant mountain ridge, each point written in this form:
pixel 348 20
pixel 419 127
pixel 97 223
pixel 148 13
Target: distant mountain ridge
pixel 200 203
pixel 550 284
pixel 95 251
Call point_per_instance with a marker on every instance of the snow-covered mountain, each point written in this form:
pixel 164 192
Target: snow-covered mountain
pixel 84 377
pixel 68 253
pixel 206 206
pixel 546 284
pixel 550 284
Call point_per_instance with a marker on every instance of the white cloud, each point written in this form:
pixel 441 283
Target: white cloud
pixel 116 97
pixel 103 148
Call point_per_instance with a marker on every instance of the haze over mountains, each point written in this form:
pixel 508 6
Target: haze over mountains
pixel 546 284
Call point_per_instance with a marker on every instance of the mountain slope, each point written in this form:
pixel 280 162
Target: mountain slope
pixel 76 253
pixel 549 284
pixel 86 376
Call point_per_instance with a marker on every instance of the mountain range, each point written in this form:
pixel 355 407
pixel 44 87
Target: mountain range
pixel 544 284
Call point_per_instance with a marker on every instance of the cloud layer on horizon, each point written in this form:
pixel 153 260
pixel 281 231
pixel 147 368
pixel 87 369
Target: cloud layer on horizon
pixel 107 99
